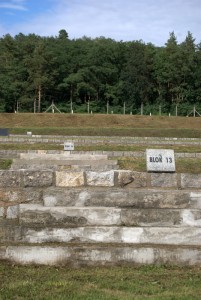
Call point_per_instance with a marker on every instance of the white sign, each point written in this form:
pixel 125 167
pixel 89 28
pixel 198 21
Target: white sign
pixel 68 146
pixel 29 133
pixel 160 160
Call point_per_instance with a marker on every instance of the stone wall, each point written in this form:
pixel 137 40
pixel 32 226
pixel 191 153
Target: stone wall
pixel 110 154
pixel 93 218
pixel 113 178
pixel 99 140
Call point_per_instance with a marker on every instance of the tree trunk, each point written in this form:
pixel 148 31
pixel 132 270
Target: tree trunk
pixel 39 98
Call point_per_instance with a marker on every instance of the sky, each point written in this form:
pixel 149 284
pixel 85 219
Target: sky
pixel 122 20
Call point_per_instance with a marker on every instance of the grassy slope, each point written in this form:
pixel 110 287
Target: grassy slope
pixel 102 124
pixel 84 120
pixel 124 125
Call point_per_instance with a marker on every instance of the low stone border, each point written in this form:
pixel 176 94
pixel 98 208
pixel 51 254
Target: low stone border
pixel 111 154
pixel 45 178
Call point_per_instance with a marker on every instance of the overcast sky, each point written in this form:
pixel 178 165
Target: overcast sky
pixel 127 20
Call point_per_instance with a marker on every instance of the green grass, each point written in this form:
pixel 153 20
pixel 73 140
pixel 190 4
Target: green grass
pixel 99 283
pixel 183 165
pixel 112 131
pixel 5 164
pixel 101 147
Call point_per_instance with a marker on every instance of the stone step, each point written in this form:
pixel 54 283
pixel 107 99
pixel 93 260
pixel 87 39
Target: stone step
pixel 62 156
pixel 121 197
pixel 66 165
pixel 37 215
pixel 97 255
pixel 99 197
pixel 103 234
pixel 98 165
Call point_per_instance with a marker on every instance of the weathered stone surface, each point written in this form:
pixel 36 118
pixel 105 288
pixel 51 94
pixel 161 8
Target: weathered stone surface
pixel 10 178
pixel 115 197
pixel 69 179
pixel 130 235
pixel 131 178
pixel 1 212
pixel 62 156
pixel 12 212
pixel 10 233
pixel 191 217
pixel 166 180
pixel 100 178
pixel 161 217
pixel 191 181
pixel 34 215
pixel 37 178
pixel 195 199
pixel 96 255
pixel 20 195
pixel 36 164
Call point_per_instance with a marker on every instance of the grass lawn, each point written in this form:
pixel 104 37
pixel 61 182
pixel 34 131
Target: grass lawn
pixel 101 124
pixel 183 165
pixel 99 283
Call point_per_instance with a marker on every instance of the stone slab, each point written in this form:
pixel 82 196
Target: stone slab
pixel 69 179
pixel 191 181
pixel 100 178
pixel 62 156
pixel 10 178
pixel 118 197
pixel 96 255
pixel 131 178
pixel 36 215
pixel 161 217
pixel 51 164
pixel 37 178
pixel 160 160
pixel 11 196
pixel 164 180
pixel 102 234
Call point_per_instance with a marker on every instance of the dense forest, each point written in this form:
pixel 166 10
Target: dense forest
pixel 99 75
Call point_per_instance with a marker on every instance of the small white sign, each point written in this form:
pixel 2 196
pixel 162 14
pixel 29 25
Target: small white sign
pixel 160 160
pixel 68 146
pixel 29 133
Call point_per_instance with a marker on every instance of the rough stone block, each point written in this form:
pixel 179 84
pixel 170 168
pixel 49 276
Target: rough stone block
pixel 116 197
pixel 191 181
pixel 195 200
pixel 165 180
pixel 10 233
pixel 20 195
pixel 69 179
pixel 161 217
pixel 10 178
pixel 97 255
pixel 100 178
pixel 37 178
pixel 103 234
pixel 131 178
pixel 35 215
pixel 1 212
pixel 12 212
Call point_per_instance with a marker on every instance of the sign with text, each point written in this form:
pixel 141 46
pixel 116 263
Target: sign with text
pixel 160 160
pixel 68 146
